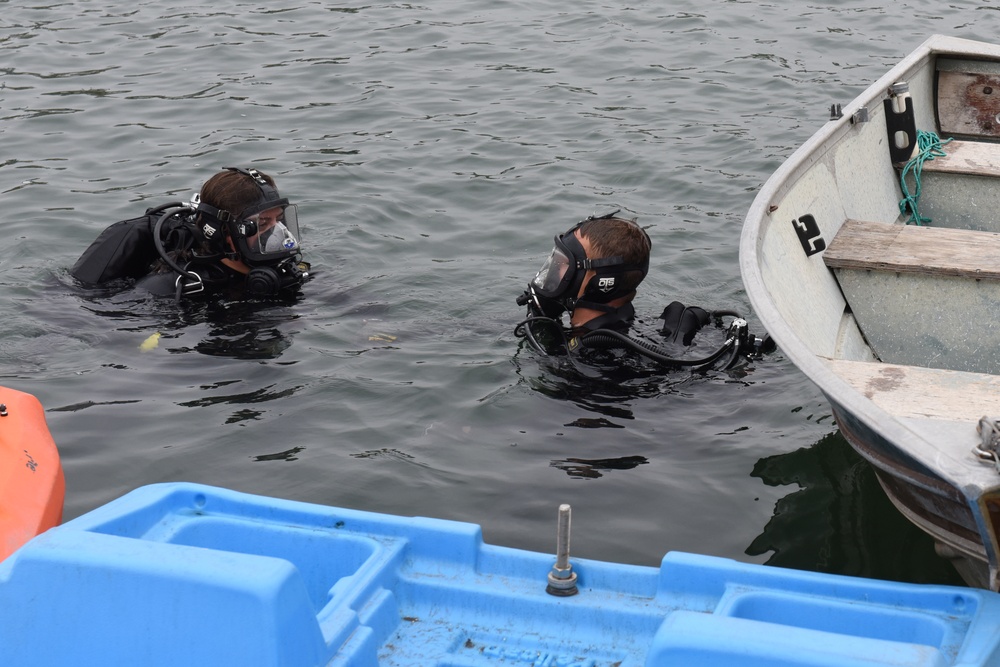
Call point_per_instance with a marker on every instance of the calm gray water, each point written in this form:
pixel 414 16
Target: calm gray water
pixel 434 150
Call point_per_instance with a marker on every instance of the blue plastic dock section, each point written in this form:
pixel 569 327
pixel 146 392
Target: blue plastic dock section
pixel 183 574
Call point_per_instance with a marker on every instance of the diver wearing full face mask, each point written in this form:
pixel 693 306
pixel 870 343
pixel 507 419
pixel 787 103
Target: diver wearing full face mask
pixel 592 274
pixel 237 233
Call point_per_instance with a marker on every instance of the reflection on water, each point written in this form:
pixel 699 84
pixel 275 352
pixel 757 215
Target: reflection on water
pixel 237 342
pixel 287 455
pixel 239 329
pixel 598 395
pixel 88 404
pixel 592 468
pixel 840 520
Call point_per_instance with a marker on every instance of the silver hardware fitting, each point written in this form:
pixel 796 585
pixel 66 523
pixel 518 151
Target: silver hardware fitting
pixel 859 116
pixel 989 434
pixel 187 288
pixel 562 578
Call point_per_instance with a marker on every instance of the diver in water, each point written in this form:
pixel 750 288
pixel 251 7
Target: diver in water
pixel 592 274
pixel 238 234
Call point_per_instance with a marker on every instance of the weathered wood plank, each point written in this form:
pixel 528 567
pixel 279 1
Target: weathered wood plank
pixel 882 246
pixel 968 99
pixel 915 391
pixel 977 158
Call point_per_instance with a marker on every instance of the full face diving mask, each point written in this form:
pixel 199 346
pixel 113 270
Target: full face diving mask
pixel 267 231
pixel 555 287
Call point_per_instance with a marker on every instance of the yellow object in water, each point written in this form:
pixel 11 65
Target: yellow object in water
pixel 150 343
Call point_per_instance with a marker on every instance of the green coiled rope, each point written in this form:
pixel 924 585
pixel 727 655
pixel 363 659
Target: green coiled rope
pixel 929 146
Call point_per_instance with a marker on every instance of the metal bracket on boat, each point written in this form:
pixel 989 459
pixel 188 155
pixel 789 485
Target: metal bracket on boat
pixel 899 122
pixel 989 434
pixel 859 116
pixel 562 578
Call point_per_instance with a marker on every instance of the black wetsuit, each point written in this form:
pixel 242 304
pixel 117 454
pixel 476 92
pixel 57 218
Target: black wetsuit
pixel 123 250
pixel 619 320
pixel 214 277
pixel 550 336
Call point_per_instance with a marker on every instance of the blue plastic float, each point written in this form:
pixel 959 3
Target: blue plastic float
pixel 183 574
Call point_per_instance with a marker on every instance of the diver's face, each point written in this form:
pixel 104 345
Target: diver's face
pixel 266 220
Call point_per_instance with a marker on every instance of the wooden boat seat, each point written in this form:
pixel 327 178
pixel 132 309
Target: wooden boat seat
pixel 900 248
pixel 915 391
pixel 923 296
pixel 978 158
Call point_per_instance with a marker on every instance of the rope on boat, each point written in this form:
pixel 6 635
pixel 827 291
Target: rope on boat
pixel 929 146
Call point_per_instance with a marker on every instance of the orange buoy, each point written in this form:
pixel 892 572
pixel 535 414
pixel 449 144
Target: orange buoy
pixel 32 486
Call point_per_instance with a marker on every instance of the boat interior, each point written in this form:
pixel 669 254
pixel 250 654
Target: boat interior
pixel 924 297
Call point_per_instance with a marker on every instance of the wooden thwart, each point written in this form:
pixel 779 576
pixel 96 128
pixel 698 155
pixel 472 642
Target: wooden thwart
pixel 882 246
pixel 915 391
pixel 979 158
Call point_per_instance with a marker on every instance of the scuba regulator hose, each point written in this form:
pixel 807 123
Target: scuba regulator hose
pixel 523 330
pixel 738 341
pixel 158 241
pixel 605 338
pixel 170 210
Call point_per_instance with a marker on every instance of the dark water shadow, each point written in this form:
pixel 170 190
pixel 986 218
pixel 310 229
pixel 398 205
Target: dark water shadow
pixel 238 327
pixel 840 520
pixel 597 468
pixel 607 384
pixel 241 329
pixel 287 455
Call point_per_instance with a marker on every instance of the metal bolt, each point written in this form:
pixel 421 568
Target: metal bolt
pixel 3 409
pixel 562 579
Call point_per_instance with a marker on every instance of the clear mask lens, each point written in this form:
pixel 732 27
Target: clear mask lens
pixel 276 232
pixel 550 276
